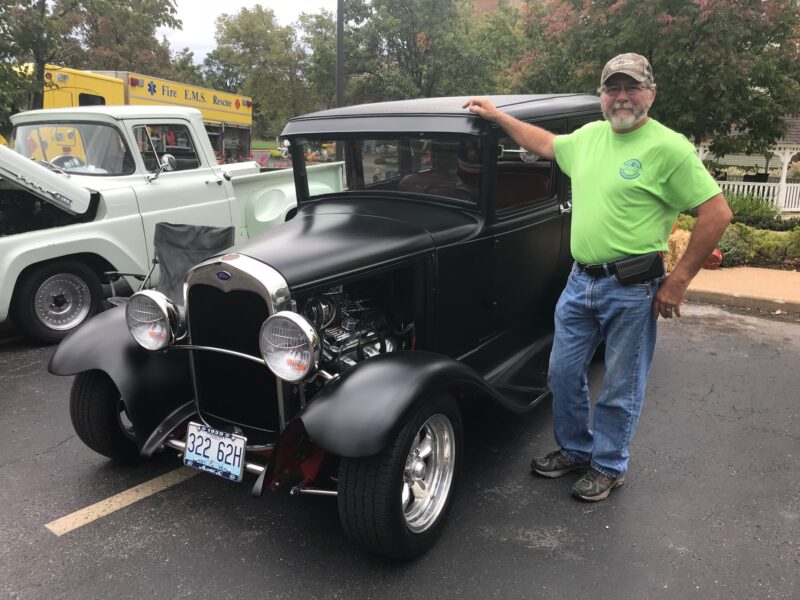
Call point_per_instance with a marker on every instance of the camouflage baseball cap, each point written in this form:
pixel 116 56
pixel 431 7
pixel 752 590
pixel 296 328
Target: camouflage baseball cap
pixel 634 65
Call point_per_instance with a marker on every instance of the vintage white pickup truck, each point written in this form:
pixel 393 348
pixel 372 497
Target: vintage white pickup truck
pixel 82 191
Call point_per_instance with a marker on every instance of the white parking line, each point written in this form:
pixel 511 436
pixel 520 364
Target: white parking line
pixel 114 503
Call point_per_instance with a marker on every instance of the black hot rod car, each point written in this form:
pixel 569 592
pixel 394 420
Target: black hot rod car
pixel 334 354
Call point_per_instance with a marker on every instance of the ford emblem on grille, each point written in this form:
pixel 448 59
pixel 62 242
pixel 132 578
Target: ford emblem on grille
pixel 223 275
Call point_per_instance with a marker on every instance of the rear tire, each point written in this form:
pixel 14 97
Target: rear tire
pixel 381 506
pixel 54 298
pixel 99 417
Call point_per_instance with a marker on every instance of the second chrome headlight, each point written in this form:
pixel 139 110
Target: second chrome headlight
pixel 290 346
pixel 152 319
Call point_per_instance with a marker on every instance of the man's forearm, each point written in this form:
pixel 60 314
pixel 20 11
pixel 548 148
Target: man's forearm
pixel 533 138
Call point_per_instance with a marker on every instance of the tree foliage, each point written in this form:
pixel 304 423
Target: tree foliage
pixel 728 71
pixel 117 35
pixel 261 58
pixel 94 34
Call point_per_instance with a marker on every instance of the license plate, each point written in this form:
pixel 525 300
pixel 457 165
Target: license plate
pixel 214 451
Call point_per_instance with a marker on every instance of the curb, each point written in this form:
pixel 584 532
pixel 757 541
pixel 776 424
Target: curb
pixel 742 301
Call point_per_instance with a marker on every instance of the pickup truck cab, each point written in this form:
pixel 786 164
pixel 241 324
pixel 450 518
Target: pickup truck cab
pixel 82 191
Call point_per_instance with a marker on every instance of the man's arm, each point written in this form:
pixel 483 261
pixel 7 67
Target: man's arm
pixel 534 139
pixel 713 217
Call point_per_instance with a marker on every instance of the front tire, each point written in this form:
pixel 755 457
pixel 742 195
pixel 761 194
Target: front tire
pixel 99 417
pixel 395 503
pixel 54 298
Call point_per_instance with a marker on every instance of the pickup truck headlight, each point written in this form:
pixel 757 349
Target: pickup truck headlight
pixel 152 319
pixel 290 346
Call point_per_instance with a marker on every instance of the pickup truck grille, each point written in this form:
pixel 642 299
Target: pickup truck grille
pixel 232 390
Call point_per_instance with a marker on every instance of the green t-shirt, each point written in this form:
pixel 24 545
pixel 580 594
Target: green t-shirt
pixel 628 188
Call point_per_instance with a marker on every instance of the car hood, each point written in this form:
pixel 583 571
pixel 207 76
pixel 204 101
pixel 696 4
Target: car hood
pixel 55 188
pixel 336 237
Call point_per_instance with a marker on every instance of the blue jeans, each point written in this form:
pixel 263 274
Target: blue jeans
pixel 592 309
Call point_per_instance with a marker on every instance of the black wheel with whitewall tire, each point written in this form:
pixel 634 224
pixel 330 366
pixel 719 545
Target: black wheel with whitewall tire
pixel 99 417
pixel 54 298
pixel 396 503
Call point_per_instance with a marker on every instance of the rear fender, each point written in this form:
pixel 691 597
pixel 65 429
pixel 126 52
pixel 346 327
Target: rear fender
pixel 358 414
pixel 151 384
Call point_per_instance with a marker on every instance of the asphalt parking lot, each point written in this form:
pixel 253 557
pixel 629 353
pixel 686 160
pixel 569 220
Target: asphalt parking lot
pixel 710 509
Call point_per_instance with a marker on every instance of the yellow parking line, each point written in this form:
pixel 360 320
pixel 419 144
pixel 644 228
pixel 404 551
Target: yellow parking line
pixel 114 503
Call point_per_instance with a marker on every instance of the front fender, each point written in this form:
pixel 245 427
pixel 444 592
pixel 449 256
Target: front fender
pixel 151 384
pixel 357 414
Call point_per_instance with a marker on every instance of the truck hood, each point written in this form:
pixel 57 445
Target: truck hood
pixel 48 185
pixel 335 237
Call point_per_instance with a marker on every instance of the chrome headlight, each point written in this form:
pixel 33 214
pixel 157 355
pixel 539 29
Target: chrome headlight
pixel 153 319
pixel 290 346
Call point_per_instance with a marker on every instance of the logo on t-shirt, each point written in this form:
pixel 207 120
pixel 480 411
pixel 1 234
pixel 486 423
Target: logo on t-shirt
pixel 631 169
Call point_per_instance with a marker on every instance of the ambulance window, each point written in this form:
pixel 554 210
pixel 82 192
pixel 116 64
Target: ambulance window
pixel 90 100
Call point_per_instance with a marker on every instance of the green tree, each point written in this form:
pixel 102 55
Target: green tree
pixel 117 35
pixel 184 69
pixel 271 61
pixel 728 71
pixel 318 38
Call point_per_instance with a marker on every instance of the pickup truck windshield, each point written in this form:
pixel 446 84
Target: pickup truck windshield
pixel 443 166
pixel 80 148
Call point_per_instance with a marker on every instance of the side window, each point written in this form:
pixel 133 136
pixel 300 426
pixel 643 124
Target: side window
pixel 90 100
pixel 523 179
pixel 156 140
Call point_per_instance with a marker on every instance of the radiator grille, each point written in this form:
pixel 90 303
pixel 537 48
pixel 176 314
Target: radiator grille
pixel 232 390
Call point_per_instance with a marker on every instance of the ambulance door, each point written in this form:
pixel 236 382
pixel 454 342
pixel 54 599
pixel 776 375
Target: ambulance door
pixel 191 194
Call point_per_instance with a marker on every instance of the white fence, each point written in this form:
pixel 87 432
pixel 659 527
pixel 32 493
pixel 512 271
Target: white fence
pixel 768 191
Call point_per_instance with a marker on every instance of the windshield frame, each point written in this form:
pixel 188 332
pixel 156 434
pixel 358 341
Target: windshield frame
pixel 76 122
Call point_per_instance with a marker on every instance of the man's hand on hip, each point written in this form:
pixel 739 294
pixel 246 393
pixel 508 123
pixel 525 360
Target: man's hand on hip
pixel 669 297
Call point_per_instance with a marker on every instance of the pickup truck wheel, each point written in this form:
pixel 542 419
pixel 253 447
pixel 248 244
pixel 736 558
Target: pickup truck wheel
pixel 99 417
pixel 396 503
pixel 54 298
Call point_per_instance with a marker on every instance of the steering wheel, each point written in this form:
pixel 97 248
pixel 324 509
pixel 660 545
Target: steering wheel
pixel 67 161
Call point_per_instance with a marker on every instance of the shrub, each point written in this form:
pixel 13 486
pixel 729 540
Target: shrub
pixel 743 245
pixel 686 222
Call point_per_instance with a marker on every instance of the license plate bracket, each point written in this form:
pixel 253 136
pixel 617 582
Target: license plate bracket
pixel 213 451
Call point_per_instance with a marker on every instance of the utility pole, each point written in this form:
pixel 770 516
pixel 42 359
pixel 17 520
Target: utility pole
pixel 340 53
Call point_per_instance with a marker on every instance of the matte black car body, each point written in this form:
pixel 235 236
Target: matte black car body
pixel 452 298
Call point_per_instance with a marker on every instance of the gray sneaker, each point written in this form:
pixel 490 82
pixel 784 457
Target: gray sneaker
pixel 594 486
pixel 556 464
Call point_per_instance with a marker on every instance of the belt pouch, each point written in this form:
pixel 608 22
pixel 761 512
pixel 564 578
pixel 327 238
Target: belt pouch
pixel 640 268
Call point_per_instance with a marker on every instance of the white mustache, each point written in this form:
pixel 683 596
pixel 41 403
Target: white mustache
pixel 622 106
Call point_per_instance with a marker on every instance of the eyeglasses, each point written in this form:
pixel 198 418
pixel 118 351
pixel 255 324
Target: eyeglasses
pixel 630 89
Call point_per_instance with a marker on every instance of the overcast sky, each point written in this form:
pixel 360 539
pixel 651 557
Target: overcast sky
pixel 199 16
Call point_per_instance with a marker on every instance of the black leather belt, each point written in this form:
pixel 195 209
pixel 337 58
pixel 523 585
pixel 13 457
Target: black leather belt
pixel 598 270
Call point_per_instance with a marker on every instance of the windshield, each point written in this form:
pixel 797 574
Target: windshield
pixel 80 148
pixel 444 166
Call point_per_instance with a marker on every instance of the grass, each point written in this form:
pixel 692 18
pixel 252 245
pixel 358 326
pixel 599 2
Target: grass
pixel 264 145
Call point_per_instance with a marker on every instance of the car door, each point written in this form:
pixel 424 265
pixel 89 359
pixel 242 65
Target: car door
pixel 527 230
pixel 194 193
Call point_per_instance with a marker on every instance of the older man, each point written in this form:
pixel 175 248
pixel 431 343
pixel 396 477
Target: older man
pixel 630 177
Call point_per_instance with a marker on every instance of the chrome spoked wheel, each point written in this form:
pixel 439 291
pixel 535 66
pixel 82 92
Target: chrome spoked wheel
pixel 62 301
pixel 428 473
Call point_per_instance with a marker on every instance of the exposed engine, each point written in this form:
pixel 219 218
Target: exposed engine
pixel 353 329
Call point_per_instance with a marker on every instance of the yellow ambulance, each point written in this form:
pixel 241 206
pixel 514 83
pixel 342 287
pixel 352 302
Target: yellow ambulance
pixel 228 118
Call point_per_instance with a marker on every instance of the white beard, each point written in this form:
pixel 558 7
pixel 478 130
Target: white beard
pixel 627 119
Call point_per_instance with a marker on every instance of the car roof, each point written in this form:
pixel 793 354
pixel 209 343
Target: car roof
pixel 444 115
pixel 107 112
